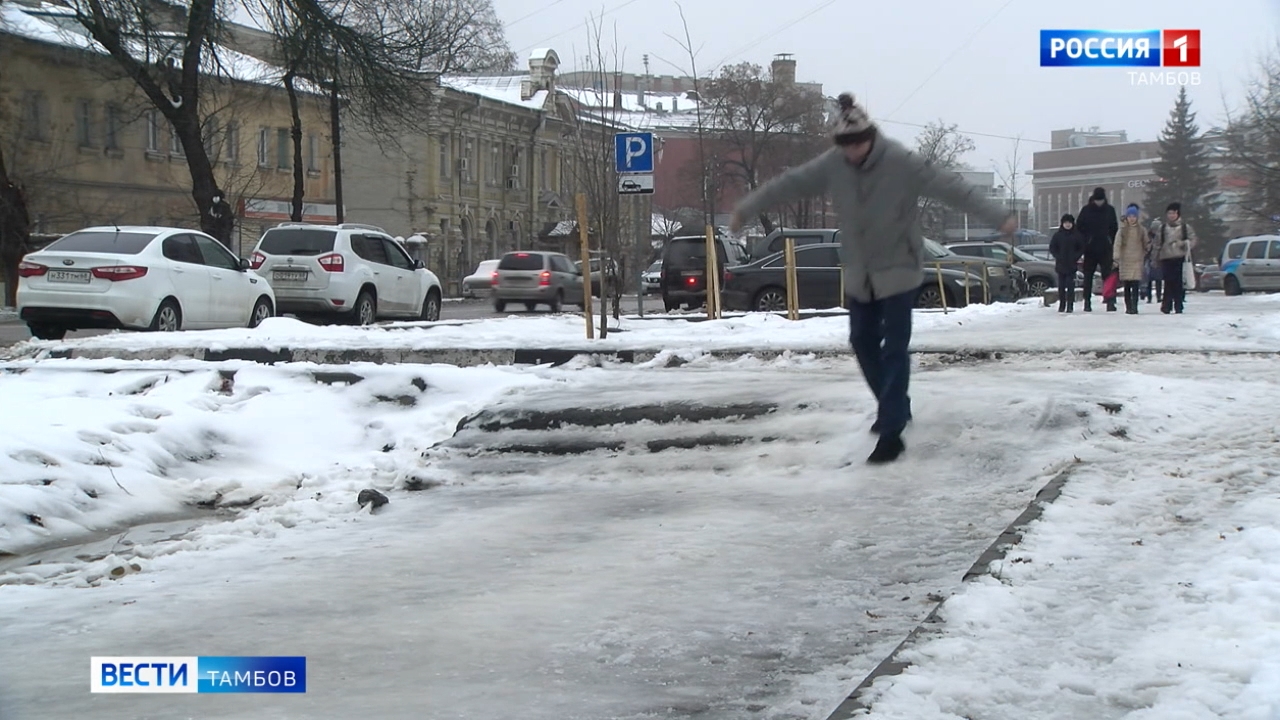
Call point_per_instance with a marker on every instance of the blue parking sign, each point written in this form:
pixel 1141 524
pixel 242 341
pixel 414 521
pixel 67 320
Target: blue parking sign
pixel 633 152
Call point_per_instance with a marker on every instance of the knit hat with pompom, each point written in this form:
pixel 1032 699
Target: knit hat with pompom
pixel 852 124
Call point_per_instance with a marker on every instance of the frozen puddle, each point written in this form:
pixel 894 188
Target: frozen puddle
pixel 710 562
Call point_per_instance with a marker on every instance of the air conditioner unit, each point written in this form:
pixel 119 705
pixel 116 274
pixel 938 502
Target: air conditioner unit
pixel 464 166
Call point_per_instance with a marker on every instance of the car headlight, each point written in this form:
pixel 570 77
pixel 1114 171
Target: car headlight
pixel 994 271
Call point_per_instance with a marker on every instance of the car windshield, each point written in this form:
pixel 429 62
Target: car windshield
pixel 103 241
pixel 520 261
pixel 297 241
pixel 936 250
pixel 656 267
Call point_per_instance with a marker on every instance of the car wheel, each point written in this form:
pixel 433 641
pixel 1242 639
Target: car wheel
pixel 530 306
pixel 261 311
pixel 168 317
pixel 431 306
pixel 47 332
pixel 1231 285
pixel 930 297
pixel 771 300
pixel 558 301
pixel 366 309
pixel 1038 286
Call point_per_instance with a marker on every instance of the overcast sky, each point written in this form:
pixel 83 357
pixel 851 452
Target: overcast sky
pixel 978 60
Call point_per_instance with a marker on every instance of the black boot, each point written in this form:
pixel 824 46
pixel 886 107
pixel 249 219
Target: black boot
pixel 1111 305
pixel 1088 305
pixel 887 450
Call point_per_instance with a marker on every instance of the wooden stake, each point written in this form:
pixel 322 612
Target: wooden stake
pixel 793 294
pixel 581 201
pixel 713 276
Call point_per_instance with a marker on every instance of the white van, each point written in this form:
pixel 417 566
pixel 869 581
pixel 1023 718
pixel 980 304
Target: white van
pixel 1251 264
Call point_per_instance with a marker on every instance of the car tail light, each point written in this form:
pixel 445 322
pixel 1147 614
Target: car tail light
pixel 256 260
pixel 727 276
pixel 119 272
pixel 545 278
pixel 691 281
pixel 30 269
pixel 332 263
pixel 493 279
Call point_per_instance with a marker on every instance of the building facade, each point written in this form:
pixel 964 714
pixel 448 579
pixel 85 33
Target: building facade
pixel 1064 176
pixel 89 149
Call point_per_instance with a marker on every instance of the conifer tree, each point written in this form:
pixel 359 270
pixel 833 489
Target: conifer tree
pixel 1183 175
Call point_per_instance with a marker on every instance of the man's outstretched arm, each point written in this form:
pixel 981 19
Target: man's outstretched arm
pixel 805 181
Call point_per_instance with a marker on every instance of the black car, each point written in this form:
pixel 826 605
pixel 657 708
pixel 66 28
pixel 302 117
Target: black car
pixel 762 285
pixel 776 241
pixel 684 269
pixel 1005 282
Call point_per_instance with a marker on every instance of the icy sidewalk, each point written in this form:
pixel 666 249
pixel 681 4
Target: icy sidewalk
pixel 1212 323
pixel 718 581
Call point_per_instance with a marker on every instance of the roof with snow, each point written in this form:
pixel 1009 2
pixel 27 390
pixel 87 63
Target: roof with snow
pixel 57 25
pixel 657 111
pixel 501 88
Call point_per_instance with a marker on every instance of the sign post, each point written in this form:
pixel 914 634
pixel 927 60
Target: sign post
pixel 581 202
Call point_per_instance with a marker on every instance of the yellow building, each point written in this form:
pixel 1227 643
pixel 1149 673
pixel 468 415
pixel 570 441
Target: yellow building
pixel 89 149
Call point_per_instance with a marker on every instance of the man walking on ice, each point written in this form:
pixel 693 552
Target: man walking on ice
pixel 875 184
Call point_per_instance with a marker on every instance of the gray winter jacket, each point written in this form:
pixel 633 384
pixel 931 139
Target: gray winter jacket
pixel 877 207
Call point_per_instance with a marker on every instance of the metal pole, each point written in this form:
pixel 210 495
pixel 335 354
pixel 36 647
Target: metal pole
pixel 581 202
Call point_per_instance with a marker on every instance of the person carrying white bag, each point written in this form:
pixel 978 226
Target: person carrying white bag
pixel 1172 243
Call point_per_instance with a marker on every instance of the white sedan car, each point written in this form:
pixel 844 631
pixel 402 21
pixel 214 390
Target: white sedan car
pixel 144 278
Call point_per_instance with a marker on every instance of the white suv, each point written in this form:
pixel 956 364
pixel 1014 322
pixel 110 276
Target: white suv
pixel 353 271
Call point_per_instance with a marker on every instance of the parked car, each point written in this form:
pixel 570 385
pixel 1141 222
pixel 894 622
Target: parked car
pixel 761 285
pixel 1005 282
pixel 684 268
pixel 141 278
pixel 651 279
pixel 537 278
pixel 1251 264
pixel 481 281
pixel 352 272
pixel 595 273
pixel 1038 251
pixel 1040 274
pixel 1208 277
pixel 775 242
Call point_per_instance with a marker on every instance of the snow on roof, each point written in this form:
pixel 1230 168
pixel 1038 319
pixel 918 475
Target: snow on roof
pixel 57 25
pixel 502 88
pixel 541 53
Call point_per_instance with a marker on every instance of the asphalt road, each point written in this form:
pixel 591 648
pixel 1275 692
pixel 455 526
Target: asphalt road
pixel 13 331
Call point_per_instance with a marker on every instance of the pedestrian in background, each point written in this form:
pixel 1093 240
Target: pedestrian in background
pixel 1066 247
pixel 875 184
pixel 1174 241
pixel 1131 256
pixel 1097 222
pixel 1155 282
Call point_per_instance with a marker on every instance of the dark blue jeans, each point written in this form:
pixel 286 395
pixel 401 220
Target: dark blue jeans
pixel 880 333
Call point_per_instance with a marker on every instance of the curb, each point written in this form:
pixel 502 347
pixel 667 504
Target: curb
pixel 465 357
pixel 853 705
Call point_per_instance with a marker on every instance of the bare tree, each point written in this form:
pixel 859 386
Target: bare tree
pixel 756 120
pixel 169 51
pixel 1253 145
pixel 704 165
pixel 943 146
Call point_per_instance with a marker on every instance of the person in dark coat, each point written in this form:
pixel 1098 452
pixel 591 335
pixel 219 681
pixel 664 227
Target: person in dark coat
pixel 1066 247
pixel 1098 223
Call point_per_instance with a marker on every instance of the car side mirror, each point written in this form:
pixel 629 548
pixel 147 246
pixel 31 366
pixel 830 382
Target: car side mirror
pixel 419 265
pixel 244 264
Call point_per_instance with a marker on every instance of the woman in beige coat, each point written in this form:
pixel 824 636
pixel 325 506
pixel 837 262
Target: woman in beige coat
pixel 1131 255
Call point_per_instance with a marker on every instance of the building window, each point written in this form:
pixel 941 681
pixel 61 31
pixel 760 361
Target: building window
pixel 112 127
pixel 153 131
pixel 469 155
pixel 232 143
pixel 495 164
pixel 35 112
pixel 264 147
pixel 444 141
pixel 175 144
pixel 542 170
pixel 313 153
pixel 84 123
pixel 211 139
pixel 284 149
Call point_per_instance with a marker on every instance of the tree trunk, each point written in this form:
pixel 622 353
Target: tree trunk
pixel 15 228
pixel 295 131
pixel 335 131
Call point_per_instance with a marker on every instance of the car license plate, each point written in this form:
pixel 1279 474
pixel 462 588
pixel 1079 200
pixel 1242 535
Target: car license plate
pixel 290 275
pixel 80 277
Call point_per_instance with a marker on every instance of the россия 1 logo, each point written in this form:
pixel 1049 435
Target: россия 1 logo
pixel 1126 48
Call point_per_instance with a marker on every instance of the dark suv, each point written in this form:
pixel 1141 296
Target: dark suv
pixel 684 269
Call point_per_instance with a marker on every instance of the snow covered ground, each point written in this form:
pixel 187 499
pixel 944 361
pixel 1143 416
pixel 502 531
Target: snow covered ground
pixel 1212 322
pixel 724 568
